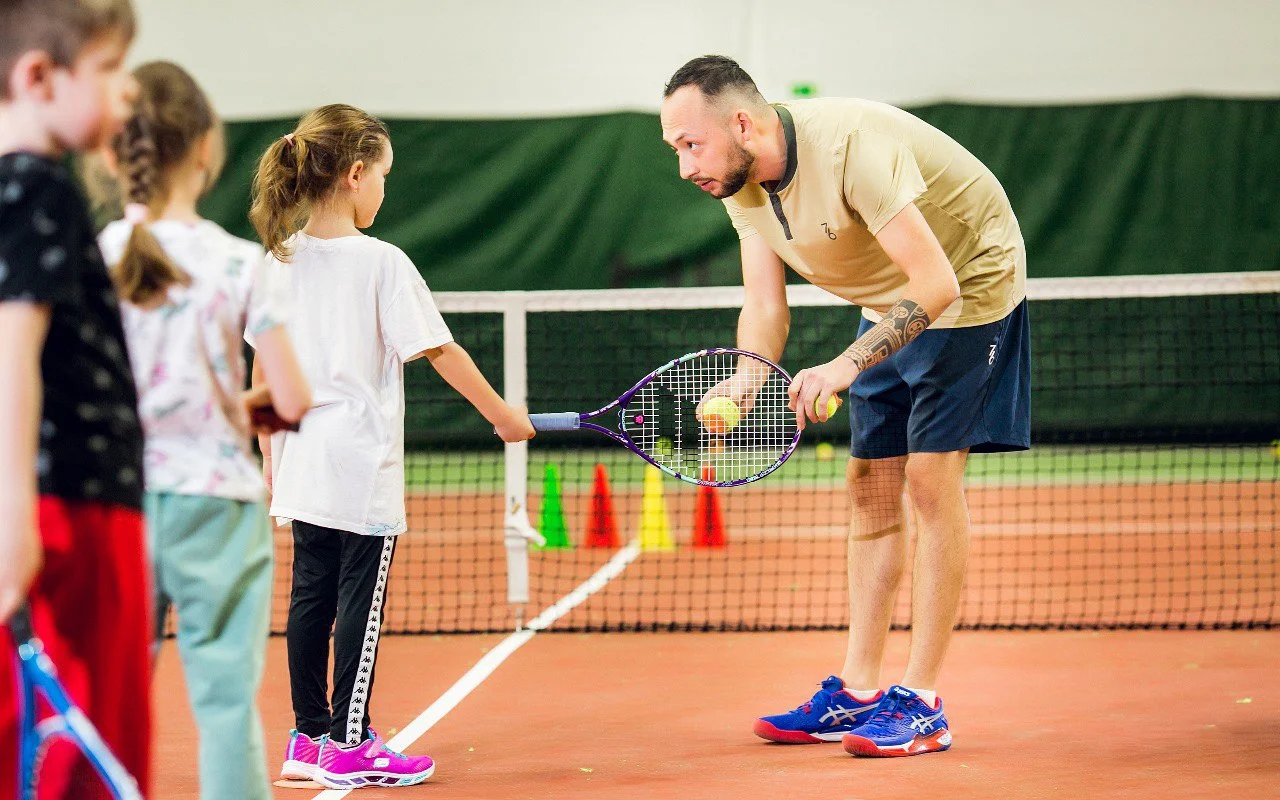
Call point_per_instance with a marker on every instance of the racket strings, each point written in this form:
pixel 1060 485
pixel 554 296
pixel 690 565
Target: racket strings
pixel 663 417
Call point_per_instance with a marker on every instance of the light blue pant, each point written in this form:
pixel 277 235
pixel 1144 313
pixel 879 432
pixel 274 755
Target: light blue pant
pixel 213 562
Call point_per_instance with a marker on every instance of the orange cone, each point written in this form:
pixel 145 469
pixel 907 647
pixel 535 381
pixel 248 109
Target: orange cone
pixel 708 519
pixel 602 526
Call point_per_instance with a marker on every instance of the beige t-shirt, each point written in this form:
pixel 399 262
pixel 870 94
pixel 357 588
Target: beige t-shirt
pixel 852 165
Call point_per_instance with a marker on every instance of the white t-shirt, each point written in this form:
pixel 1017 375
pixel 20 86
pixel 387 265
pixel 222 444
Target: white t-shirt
pixel 361 311
pixel 188 359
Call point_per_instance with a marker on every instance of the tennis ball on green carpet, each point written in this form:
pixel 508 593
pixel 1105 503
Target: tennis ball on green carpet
pixel 825 451
pixel 832 405
pixel 720 415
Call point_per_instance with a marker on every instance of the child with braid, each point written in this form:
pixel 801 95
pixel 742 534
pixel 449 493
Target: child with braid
pixel 191 291
pixel 71 540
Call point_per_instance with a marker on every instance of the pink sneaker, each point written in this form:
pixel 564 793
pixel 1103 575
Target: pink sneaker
pixel 370 763
pixel 301 758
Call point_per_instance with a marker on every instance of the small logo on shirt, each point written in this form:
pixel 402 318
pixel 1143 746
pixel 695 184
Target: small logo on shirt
pixel 830 233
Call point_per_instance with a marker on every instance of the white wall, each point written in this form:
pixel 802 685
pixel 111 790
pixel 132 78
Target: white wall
pixel 505 58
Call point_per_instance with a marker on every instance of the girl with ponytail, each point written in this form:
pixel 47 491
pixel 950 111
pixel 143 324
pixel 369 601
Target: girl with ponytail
pixel 363 311
pixel 191 291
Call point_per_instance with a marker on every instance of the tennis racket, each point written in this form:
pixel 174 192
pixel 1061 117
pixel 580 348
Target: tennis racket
pixel 36 674
pixel 658 418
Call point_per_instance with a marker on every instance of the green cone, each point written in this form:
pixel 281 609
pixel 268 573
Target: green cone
pixel 551 524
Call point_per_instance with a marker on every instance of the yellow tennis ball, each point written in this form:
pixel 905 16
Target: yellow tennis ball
pixel 825 451
pixel 720 415
pixel 832 405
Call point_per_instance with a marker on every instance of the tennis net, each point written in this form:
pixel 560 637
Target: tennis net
pixel 1149 499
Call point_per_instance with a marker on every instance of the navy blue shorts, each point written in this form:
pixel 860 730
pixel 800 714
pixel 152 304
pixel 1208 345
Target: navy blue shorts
pixel 947 390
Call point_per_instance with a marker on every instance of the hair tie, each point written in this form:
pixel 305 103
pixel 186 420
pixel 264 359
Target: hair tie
pixel 288 137
pixel 136 213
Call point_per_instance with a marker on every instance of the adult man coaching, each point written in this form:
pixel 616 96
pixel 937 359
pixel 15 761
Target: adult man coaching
pixel 882 209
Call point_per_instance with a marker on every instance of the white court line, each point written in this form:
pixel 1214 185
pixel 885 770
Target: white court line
pixel 494 658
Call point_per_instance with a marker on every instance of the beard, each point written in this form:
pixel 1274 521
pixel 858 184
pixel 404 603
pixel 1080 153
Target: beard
pixel 735 177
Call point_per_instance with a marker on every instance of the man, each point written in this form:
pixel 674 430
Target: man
pixel 882 209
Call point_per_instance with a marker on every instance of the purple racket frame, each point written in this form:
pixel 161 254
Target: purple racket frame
pixel 572 420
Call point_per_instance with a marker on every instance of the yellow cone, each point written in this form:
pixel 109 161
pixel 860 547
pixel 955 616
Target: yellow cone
pixel 655 530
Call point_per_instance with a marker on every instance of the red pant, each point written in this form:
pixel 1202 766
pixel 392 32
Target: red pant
pixel 91 605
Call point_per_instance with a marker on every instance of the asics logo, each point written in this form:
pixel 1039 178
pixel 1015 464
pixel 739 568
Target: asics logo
pixel 840 714
pixel 924 724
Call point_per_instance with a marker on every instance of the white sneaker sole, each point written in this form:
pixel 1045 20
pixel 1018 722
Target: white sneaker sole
pixel 357 780
pixel 298 771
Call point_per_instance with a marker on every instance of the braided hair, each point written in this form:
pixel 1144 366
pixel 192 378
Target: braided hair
pixel 171 116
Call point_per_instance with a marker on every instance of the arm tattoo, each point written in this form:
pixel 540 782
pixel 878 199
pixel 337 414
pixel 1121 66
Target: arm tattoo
pixel 902 323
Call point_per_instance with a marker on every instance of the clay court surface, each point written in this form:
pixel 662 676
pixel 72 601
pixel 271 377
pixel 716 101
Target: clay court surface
pixel 1035 715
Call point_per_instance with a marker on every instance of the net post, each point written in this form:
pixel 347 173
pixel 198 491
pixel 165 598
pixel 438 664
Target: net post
pixel 516 526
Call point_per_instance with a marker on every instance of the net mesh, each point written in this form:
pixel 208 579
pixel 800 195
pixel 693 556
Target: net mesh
pixel 1149 498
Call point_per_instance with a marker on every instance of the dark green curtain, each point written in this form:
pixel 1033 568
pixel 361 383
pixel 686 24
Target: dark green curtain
pixel 1180 185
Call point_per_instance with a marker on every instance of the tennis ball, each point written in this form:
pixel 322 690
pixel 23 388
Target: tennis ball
pixel 825 451
pixel 832 405
pixel 1275 448
pixel 720 415
pixel 664 446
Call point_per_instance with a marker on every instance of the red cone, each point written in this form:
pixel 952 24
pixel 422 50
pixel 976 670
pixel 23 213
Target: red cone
pixel 708 519
pixel 602 526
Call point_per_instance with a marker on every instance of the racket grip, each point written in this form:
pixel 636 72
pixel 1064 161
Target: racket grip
pixel 563 421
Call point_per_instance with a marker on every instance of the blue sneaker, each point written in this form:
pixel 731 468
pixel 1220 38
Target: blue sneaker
pixel 902 725
pixel 827 717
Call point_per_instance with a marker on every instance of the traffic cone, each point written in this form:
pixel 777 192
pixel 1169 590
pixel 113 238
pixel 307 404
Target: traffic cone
pixel 551 523
pixel 655 530
pixel 602 527
pixel 708 519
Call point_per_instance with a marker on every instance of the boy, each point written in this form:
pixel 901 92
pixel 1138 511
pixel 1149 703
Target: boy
pixel 70 442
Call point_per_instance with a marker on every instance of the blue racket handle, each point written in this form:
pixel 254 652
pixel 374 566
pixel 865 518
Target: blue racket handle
pixel 563 421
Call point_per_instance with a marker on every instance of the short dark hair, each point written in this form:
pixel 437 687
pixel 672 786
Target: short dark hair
pixel 713 75
pixel 59 27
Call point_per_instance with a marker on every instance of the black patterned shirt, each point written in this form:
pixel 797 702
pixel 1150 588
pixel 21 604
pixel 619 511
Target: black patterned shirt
pixel 90 438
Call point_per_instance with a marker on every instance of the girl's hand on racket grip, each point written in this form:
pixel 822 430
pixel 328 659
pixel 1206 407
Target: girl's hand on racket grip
pixel 811 389
pixel 514 426
pixel 21 556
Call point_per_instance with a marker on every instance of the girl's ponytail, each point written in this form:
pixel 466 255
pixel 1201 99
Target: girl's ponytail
pixel 304 167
